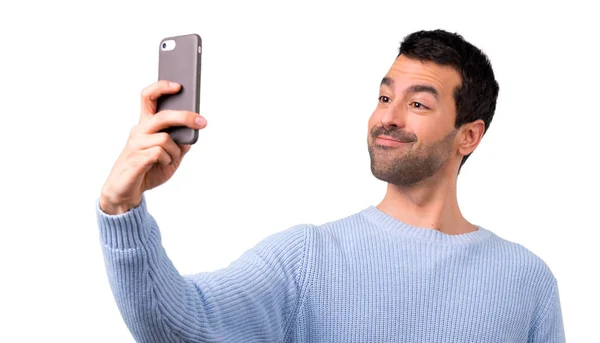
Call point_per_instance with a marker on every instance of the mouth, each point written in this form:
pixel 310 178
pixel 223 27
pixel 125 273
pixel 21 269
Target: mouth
pixel 388 141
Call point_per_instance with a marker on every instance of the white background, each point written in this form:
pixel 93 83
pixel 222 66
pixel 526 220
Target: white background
pixel 287 89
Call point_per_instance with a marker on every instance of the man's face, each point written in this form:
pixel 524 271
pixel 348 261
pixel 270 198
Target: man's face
pixel 416 106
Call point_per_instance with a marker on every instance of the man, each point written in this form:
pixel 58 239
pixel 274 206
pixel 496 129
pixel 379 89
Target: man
pixel 411 269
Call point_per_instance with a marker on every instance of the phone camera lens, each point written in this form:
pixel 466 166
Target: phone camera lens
pixel 164 45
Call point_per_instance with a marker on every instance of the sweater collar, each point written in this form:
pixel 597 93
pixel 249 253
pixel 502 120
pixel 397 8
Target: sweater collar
pixel 392 224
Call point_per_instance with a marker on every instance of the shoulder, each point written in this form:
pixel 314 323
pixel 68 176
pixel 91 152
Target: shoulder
pixel 342 224
pixel 308 236
pixel 521 263
pixel 293 237
pixel 338 232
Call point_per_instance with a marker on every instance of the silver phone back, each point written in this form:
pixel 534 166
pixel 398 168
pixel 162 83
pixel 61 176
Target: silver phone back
pixel 181 63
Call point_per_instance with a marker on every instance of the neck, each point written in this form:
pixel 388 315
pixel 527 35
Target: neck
pixel 431 203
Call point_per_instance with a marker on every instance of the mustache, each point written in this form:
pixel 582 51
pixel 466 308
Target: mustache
pixel 395 134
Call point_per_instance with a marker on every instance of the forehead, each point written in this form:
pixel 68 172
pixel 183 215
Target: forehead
pixel 406 72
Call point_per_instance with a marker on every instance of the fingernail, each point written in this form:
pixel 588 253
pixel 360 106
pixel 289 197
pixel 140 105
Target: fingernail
pixel 173 84
pixel 200 121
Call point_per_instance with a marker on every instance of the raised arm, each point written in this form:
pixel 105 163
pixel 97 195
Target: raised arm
pixel 254 299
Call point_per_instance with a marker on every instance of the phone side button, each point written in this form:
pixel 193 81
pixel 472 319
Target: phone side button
pixel 199 49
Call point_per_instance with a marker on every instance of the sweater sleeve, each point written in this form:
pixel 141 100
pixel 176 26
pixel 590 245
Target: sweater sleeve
pixel 549 327
pixel 254 299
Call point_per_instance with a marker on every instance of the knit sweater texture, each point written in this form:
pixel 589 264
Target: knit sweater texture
pixel 367 277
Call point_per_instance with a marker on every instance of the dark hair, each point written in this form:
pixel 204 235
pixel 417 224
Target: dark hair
pixel 476 97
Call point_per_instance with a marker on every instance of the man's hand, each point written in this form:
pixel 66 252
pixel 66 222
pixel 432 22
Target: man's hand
pixel 150 157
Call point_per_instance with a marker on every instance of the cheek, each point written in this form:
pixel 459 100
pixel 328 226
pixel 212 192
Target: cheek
pixel 373 118
pixel 373 121
pixel 428 128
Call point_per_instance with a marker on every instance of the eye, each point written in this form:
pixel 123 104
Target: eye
pixel 418 105
pixel 384 99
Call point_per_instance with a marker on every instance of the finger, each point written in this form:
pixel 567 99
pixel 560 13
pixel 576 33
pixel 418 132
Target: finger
pixel 153 155
pixel 151 93
pixel 143 160
pixel 161 139
pixel 168 118
pixel 184 149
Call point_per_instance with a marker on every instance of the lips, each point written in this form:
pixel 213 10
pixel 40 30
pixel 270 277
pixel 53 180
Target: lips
pixel 388 138
pixel 388 141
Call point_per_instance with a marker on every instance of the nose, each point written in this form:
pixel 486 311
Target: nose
pixel 394 116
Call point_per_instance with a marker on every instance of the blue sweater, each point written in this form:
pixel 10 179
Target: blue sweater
pixel 364 278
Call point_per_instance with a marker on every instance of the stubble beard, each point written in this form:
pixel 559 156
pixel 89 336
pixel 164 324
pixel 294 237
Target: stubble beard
pixel 407 165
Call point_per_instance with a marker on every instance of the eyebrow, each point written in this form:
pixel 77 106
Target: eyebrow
pixel 387 81
pixel 412 89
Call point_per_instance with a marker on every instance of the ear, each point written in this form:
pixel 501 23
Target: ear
pixel 470 135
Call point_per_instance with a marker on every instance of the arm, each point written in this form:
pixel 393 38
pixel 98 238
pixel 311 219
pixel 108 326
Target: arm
pixel 254 299
pixel 548 328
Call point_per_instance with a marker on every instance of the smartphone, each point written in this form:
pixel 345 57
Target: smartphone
pixel 179 60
